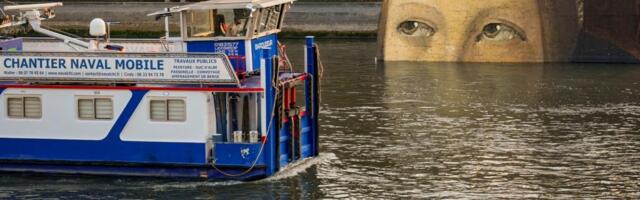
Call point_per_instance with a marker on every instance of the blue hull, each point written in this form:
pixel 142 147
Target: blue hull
pixel 172 157
pixel 100 151
pixel 110 149
pixel 180 172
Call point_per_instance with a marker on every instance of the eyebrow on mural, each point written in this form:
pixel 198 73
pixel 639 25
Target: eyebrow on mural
pixel 427 10
pixel 488 15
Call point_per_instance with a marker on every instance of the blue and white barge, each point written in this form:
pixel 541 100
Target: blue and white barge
pixel 218 101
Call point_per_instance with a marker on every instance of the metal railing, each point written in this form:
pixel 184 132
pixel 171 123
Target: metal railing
pixel 239 63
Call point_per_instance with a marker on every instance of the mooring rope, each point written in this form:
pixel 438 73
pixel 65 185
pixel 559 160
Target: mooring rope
pixel 274 83
pixel 283 55
pixel 320 71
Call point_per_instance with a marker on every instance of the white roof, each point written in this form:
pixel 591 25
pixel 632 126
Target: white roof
pixel 226 4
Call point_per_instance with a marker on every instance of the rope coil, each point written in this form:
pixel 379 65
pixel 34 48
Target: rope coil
pixel 275 84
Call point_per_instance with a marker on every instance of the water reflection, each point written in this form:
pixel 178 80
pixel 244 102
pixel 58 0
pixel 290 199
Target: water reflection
pixel 420 130
pixel 500 130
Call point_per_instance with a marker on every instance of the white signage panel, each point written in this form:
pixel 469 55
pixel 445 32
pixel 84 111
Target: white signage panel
pixel 120 67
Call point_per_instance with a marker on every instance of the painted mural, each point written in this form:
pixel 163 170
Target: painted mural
pixel 510 31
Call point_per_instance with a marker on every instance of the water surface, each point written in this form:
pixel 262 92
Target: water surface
pixel 433 130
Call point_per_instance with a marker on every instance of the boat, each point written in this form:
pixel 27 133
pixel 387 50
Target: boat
pixel 218 101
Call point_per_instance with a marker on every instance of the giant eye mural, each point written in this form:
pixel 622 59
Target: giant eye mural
pixel 416 29
pixel 498 31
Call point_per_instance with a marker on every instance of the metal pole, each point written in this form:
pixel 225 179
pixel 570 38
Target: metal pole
pixel 312 90
pixel 269 94
pixel 35 25
pixel 166 24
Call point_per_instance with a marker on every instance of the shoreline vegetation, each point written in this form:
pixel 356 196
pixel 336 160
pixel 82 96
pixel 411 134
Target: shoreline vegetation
pixel 84 33
pixel 157 34
pixel 320 18
pixel 132 34
pixel 191 1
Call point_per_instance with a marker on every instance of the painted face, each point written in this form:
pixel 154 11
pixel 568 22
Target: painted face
pixel 478 31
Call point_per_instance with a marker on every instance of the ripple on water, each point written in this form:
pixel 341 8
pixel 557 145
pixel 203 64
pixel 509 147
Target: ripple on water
pixel 435 130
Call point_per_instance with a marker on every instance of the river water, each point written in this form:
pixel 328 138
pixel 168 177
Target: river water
pixel 433 130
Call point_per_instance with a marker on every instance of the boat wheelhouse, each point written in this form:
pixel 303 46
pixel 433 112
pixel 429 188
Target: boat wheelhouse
pixel 218 101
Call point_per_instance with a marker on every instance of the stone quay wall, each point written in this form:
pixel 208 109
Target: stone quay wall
pixel 359 18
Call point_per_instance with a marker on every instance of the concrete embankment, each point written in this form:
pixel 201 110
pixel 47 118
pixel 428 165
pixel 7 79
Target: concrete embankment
pixel 324 19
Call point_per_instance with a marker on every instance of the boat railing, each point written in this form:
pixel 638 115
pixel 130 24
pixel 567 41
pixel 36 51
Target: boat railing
pixel 239 63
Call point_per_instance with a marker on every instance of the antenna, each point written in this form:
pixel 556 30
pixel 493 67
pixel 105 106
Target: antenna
pixel 42 6
pixel 34 14
pixel 28 12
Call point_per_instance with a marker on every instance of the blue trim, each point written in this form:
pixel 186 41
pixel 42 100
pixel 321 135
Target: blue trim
pixel 265 47
pixel 305 137
pixel 238 154
pixel 2 90
pixel 235 49
pixel 125 116
pixel 200 47
pixel 270 93
pixel 141 171
pixel 111 149
pixel 98 151
pixel 254 174
pixel 313 102
pixel 284 143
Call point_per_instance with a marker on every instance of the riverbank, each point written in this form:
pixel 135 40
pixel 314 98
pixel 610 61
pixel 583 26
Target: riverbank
pixel 323 19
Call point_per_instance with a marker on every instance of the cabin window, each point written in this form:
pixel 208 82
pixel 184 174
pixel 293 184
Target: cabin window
pixel 24 107
pixel 174 26
pixel 168 110
pixel 217 23
pixel 95 108
pixel 220 105
pixel 269 19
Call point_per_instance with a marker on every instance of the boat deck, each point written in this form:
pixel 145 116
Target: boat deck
pixel 131 45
